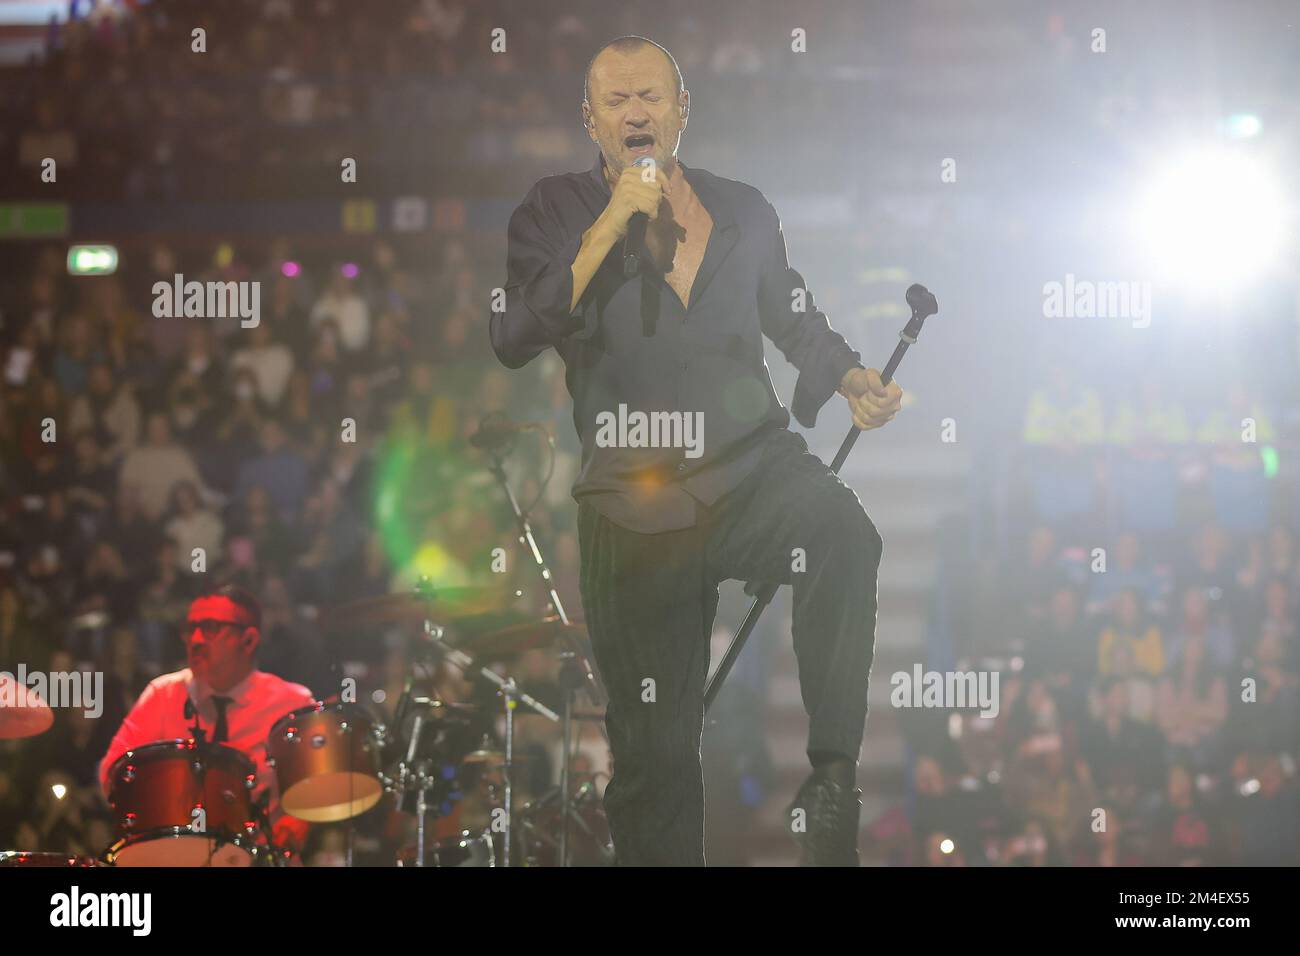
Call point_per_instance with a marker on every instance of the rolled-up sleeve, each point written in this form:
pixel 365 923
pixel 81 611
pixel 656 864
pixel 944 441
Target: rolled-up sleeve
pixel 801 331
pixel 539 286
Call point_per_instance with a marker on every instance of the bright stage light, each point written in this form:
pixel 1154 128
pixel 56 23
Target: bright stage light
pixel 1242 125
pixel 1211 219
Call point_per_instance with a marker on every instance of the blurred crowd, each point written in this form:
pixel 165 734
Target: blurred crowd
pixel 130 111
pixel 142 458
pixel 131 445
pixel 1142 614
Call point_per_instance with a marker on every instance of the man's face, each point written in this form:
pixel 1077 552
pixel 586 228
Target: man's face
pixel 633 95
pixel 215 633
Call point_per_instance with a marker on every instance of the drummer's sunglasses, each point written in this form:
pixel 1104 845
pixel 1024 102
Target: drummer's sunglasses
pixel 209 626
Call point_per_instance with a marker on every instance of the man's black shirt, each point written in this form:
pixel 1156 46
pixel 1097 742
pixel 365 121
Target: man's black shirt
pixel 631 342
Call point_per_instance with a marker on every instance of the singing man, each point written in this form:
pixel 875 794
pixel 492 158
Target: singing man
pixel 659 529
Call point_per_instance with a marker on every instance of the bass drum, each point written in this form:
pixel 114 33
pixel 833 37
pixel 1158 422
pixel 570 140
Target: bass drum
pixel 23 858
pixel 179 804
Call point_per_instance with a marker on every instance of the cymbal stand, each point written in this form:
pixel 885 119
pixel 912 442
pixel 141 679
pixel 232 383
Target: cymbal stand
pixel 512 696
pixel 413 774
pixel 579 659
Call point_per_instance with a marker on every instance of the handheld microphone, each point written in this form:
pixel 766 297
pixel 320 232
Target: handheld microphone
pixel 634 241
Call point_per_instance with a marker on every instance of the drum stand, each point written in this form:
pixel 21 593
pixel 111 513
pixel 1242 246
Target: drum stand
pixel 512 696
pixel 261 806
pixel 576 671
pixel 200 767
pixel 585 793
pixel 413 774
pixel 262 811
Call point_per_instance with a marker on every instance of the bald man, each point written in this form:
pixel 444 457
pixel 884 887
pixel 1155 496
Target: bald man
pixel 690 474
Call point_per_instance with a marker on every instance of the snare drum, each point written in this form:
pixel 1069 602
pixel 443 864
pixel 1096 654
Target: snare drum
pixel 178 804
pixel 326 760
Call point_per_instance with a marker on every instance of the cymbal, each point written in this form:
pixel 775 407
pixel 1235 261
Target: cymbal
pixel 414 607
pixel 451 711
pixel 22 712
pixel 492 757
pixel 517 638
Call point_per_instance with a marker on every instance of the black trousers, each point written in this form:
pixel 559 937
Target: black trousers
pixel 650 601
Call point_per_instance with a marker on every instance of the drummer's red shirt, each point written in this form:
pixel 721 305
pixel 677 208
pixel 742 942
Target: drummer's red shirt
pixel 257 702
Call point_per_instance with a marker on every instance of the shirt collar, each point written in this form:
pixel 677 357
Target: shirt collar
pixel 718 207
pixel 201 691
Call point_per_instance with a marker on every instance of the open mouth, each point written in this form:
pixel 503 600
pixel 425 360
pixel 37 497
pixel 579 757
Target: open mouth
pixel 639 142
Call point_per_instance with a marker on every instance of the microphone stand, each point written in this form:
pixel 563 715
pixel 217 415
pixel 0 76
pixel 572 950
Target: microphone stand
pixel 575 673
pixel 923 305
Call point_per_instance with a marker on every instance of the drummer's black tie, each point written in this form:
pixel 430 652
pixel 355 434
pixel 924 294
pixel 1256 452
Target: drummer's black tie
pixel 222 733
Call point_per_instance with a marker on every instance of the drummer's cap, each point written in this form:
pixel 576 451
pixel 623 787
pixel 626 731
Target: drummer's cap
pixel 242 599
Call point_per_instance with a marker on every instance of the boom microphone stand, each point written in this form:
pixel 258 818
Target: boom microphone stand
pixel 923 305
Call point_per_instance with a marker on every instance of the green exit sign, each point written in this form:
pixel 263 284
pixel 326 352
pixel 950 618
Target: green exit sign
pixel 92 260
pixel 33 220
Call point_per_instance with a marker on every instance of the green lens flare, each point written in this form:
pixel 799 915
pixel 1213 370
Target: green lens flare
pixel 1268 454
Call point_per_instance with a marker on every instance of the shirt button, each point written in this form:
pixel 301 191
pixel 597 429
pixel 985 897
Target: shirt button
pixel 682 466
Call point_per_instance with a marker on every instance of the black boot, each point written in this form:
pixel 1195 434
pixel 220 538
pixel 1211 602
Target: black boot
pixel 829 823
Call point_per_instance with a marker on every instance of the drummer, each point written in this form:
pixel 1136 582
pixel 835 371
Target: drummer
pixel 236 704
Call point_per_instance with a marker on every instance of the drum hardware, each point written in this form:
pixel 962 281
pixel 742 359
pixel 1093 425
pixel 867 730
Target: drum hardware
pixel 541 846
pixel 582 675
pixel 511 697
pixel 275 855
pixel 468 849
pixel 420 775
pixel 417 777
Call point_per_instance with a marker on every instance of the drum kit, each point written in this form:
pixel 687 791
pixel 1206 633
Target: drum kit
pixel 189 802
